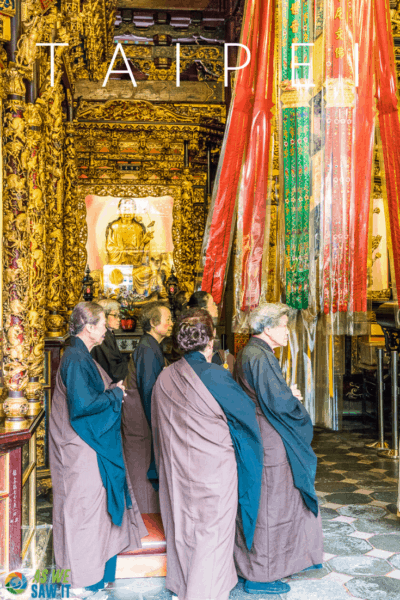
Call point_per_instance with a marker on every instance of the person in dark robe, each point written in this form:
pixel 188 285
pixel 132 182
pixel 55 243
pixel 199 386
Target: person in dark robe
pixel 107 354
pixel 288 535
pixel 146 363
pixel 208 453
pixel 220 356
pixel 95 515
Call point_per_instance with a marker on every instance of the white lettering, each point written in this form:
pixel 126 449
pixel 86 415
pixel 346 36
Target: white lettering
pixel 128 69
pixel 226 68
pixel 52 45
pixel 295 80
pixel 178 65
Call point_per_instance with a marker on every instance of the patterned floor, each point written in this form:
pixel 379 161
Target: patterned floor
pixel 358 493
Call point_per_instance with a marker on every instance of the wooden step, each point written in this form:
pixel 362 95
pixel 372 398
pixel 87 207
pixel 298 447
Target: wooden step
pixel 151 559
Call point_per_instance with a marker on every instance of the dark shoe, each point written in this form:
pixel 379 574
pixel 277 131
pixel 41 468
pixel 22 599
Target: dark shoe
pixel 312 568
pixel 271 587
pixel 241 579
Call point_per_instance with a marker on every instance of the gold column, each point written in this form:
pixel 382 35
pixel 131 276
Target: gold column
pixel 36 264
pixel 54 142
pixel 15 252
pixel 72 273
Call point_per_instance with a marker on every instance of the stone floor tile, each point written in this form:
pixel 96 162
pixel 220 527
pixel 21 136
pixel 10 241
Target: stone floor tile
pixel 342 498
pixel 366 492
pixel 361 535
pixel 327 513
pixel 391 479
pixel 332 505
pixel 360 565
pixel 378 470
pixel 312 589
pixel 353 454
pixel 364 462
pixel 370 512
pixel 394 574
pixel 379 553
pixel 395 561
pixel 375 588
pixel 328 464
pixel 352 481
pixel 346 546
pixel 389 497
pixel 338 577
pixel 394 516
pixel 339 472
pixel 379 503
pixel 381 525
pixel 327 556
pixel 335 486
pixel 335 528
pixel 387 541
pixel 320 455
pixel 344 519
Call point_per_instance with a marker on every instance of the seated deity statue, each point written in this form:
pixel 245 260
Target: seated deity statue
pixel 149 278
pixel 127 238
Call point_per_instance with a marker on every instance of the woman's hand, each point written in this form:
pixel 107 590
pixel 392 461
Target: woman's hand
pixel 296 392
pixel 121 386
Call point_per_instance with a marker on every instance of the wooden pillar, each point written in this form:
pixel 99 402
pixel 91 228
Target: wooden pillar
pixel 15 252
pixel 36 223
pixel 72 273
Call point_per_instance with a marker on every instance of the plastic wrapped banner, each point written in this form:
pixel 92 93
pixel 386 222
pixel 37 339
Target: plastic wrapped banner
pixel 386 87
pixel 244 156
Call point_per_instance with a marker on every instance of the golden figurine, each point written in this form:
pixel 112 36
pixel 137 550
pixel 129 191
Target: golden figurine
pixel 127 239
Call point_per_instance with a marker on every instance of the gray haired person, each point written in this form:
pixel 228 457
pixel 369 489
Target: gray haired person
pixel 288 536
pixel 95 514
pixel 108 354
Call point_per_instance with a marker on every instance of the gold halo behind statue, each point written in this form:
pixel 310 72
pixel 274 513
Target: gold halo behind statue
pixel 116 277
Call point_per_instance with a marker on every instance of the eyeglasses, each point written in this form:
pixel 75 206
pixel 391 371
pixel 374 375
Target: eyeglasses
pixel 116 315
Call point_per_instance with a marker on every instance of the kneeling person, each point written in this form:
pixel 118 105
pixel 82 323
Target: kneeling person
pixel 208 453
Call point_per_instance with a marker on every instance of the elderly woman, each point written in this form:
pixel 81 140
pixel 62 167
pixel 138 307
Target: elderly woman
pixel 107 354
pixel 205 300
pixel 288 536
pixel 95 515
pixel 209 458
pixel 144 367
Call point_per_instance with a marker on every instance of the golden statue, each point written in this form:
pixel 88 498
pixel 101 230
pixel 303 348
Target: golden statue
pixel 127 239
pixel 127 243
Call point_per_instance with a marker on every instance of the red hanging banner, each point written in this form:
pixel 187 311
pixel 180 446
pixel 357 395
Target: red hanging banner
pixel 243 114
pixel 386 88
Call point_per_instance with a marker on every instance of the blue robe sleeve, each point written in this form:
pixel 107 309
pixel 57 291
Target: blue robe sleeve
pixel 95 415
pixel 289 417
pixel 265 377
pixel 148 368
pixel 246 438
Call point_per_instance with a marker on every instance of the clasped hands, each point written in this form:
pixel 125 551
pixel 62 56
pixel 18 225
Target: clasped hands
pixel 121 386
pixel 296 392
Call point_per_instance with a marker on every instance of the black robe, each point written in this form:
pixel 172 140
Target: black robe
pixel 110 357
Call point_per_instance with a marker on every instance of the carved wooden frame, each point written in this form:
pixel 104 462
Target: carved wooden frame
pixel 184 254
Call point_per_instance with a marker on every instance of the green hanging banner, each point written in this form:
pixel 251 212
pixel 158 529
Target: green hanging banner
pixel 296 115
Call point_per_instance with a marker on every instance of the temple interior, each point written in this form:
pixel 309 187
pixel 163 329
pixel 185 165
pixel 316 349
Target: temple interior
pixel 249 149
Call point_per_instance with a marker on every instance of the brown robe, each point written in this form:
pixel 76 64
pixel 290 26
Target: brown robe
pixel 197 469
pixel 288 536
pixel 83 533
pixel 136 437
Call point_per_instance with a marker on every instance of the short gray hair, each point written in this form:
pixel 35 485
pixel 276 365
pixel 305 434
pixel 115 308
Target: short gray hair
pixel 109 305
pixel 151 315
pixel 84 313
pixel 267 315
